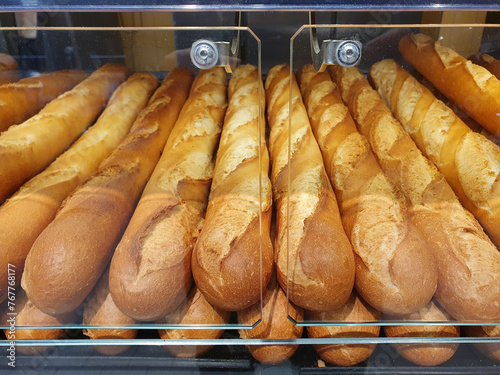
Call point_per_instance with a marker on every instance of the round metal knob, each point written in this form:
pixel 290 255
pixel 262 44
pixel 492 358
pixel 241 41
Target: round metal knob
pixel 204 54
pixel 348 53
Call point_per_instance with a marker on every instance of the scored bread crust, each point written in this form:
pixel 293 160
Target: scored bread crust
pixel 26 214
pixel 27 148
pixel 468 262
pixel 468 160
pixel 471 86
pixel 150 271
pixel 316 264
pixel 71 254
pixel 227 259
pixel 488 62
pixel 395 269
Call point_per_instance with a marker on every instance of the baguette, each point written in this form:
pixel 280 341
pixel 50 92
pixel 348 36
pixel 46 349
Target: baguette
pixel 230 264
pixel 395 269
pixel 150 271
pixel 354 310
pixel 71 254
pixel 275 325
pixel 7 62
pixel 491 350
pixel 471 86
pixel 488 62
pixel 27 315
pixel 314 259
pixel 425 354
pixel 8 70
pixel 26 214
pixel 100 310
pixel 27 148
pixel 194 310
pixel 468 263
pixel 468 160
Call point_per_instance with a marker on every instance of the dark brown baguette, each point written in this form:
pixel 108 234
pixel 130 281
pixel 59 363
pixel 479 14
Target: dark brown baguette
pixel 316 266
pixel 468 262
pixel 395 269
pixel 70 255
pixel 229 262
pixel 150 271
pixel 26 214
pixel 27 148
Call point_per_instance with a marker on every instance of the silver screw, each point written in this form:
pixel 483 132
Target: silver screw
pixel 349 53
pixel 204 54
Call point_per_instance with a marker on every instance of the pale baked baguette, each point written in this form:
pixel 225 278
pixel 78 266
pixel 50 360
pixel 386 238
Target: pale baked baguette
pixel 99 309
pixel 71 254
pixel 355 310
pixel 395 269
pixel 468 160
pixel 27 148
pixel 488 62
pixel 230 264
pixel 468 262
pixel 314 259
pixel 150 271
pixel 491 350
pixel 195 310
pixel 471 86
pixel 275 325
pixel 26 214
pixel 425 354
pixel 8 71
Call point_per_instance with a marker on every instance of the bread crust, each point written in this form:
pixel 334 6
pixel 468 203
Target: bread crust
pixel 491 350
pixel 488 62
pixel 150 271
pixel 64 264
pixel 27 148
pixel 318 255
pixel 8 70
pixel 471 86
pixel 468 263
pixel 468 160
pixel 26 214
pixel 228 256
pixel 395 270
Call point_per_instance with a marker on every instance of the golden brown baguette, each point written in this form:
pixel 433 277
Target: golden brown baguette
pixel 194 310
pixel 100 310
pixel 274 325
pixel 395 269
pixel 26 214
pixel 468 263
pixel 488 62
pixel 491 350
pixel 471 86
pixel 425 354
pixel 23 99
pixel 468 160
pixel 320 260
pixel 27 148
pixel 70 255
pixel 354 310
pixel 8 71
pixel 227 259
pixel 27 315
pixel 150 271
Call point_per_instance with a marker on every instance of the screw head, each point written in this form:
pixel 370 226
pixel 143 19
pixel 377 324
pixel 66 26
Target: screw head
pixel 348 53
pixel 204 54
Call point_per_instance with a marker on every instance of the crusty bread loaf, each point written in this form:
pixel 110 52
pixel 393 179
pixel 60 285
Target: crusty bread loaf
pixel 468 160
pixel 28 315
pixel 275 325
pixel 354 310
pixel 471 86
pixel 488 62
pixel 7 62
pixel 491 350
pixel 314 259
pixel 70 255
pixel 230 263
pixel 425 354
pixel 150 271
pixel 27 148
pixel 26 214
pixel 395 269
pixel 194 310
pixel 100 310
pixel 468 263
pixel 8 71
